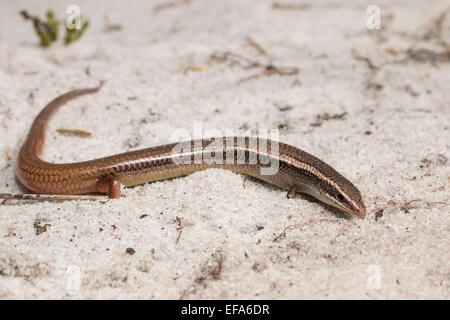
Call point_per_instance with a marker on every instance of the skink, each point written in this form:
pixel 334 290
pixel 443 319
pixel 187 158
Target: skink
pixel 297 170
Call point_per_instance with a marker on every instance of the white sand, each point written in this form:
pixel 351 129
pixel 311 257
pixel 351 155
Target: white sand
pixel 232 245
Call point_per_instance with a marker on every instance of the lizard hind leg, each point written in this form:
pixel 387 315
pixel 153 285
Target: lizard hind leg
pixel 110 186
pixel 292 191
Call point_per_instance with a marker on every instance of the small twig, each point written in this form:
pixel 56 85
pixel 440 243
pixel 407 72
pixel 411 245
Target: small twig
pixel 172 4
pixel 283 233
pixel 436 27
pixel 268 71
pixel 289 6
pixel 30 73
pixel 391 51
pixel 217 270
pixel 80 133
pixel 113 27
pixel 284 71
pixel 326 117
pixel 253 76
pixel 196 68
pixel 109 26
pixel 425 55
pixel 235 58
pixel 256 45
pixel 366 60
pixel 36 21
pixel 429 204
pixel 47 197
pixel 246 63
pixel 405 206
pixel 311 221
pixel 179 229
pixel 408 205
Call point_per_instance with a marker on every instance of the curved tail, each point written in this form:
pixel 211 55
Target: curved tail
pixel 35 140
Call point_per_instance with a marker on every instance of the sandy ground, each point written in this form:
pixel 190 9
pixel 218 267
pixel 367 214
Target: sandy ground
pixel 374 104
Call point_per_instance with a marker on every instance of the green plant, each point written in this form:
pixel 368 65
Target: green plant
pixel 75 34
pixel 47 30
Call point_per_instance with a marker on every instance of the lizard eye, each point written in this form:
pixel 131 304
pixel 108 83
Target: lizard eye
pixel 340 197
